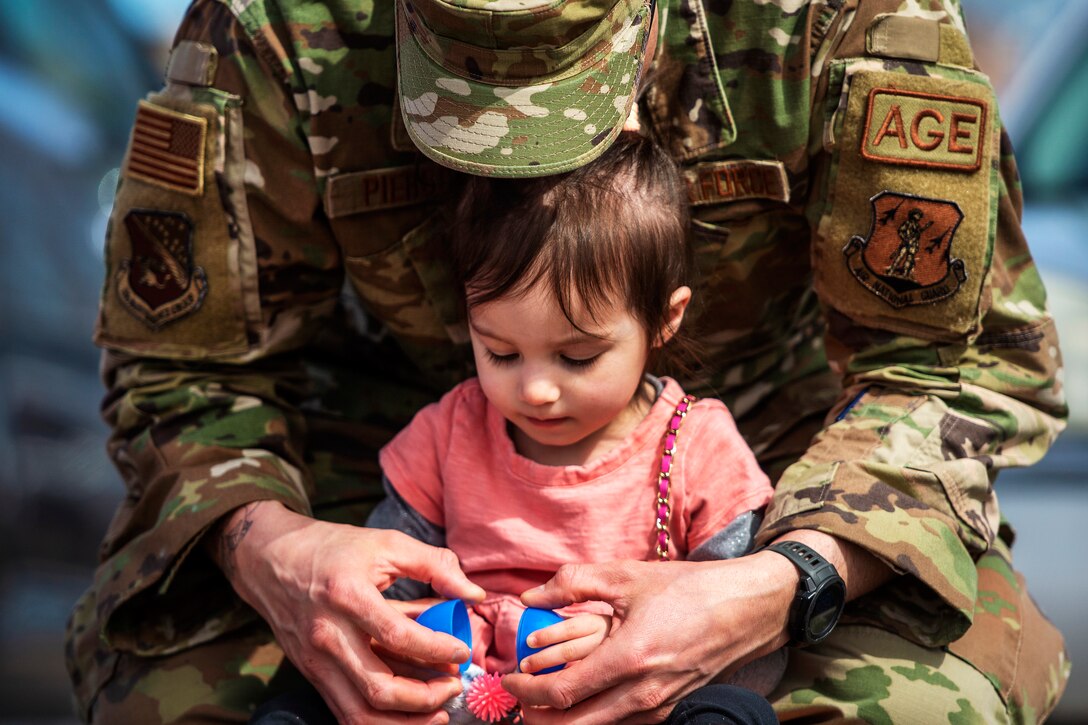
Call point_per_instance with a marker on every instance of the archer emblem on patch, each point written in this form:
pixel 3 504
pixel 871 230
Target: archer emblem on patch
pixel 159 283
pixel 907 257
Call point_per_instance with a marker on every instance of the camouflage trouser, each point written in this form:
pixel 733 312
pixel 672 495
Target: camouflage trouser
pixel 1010 667
pixel 862 674
pixel 859 674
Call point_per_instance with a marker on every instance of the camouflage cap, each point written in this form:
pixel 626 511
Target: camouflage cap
pixel 518 87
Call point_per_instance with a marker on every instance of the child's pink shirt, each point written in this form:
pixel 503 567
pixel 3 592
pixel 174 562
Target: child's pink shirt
pixel 513 522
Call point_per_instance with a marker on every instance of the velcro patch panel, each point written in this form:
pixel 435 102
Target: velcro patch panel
pixel 905 243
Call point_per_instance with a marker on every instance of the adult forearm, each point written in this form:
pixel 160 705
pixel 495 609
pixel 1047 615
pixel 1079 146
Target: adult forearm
pixel 861 571
pixel 231 534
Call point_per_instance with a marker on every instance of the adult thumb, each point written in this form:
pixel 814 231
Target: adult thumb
pixel 437 566
pixel 606 582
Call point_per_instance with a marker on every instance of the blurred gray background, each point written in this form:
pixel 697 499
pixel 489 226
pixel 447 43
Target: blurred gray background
pixel 71 72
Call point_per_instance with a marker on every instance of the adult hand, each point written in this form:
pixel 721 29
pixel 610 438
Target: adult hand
pixel 406 665
pixel 678 626
pixel 318 585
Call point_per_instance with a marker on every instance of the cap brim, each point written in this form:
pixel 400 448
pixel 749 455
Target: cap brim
pixel 518 131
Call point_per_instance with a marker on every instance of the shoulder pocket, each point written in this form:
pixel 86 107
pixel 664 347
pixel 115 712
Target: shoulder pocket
pixel 181 260
pixel 905 240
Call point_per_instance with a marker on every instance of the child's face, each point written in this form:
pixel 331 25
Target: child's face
pixel 571 396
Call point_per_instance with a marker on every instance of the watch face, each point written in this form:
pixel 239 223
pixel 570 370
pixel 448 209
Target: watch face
pixel 825 609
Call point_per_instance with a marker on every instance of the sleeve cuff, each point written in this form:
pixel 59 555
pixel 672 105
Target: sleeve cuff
pixel 933 602
pixel 159 593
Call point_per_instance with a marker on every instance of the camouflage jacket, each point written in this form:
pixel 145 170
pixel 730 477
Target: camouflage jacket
pixel 275 307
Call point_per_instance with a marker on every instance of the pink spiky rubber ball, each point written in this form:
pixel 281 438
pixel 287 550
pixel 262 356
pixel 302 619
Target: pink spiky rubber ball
pixel 487 700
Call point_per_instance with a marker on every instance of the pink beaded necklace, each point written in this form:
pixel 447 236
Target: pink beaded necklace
pixel 664 511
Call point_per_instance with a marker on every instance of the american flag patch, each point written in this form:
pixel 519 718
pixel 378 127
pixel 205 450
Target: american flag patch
pixel 168 149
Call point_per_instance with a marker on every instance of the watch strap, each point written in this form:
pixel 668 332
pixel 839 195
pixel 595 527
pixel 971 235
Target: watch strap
pixel 805 559
pixel 816 574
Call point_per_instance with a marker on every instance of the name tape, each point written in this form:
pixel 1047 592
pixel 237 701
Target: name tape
pixel 716 182
pixel 364 191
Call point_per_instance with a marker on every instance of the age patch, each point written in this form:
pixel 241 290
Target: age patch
pixel 925 129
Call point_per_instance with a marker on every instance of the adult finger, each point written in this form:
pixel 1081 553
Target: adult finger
pixel 404 664
pixel 335 650
pixel 573 684
pixel 410 666
pixel 347 705
pixel 635 702
pixel 399 694
pixel 386 690
pixel 406 638
pixel 437 566
pixel 603 582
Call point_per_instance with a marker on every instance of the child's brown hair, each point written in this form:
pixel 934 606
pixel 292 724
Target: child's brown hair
pixel 614 228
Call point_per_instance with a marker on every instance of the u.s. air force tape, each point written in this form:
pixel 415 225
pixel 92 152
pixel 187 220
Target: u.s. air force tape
pixel 717 182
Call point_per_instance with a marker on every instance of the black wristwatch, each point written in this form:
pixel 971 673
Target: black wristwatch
pixel 821 594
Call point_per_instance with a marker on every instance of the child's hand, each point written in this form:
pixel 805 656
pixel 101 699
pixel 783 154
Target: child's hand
pixel 566 641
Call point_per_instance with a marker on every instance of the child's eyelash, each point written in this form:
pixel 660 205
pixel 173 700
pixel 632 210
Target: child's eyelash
pixel 577 363
pixel 501 359
pixel 581 363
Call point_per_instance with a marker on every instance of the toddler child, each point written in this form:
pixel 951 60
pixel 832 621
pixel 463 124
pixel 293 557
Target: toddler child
pixel 565 448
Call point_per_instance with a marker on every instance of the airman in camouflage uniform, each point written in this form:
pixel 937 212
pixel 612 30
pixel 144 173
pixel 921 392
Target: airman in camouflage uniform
pixel 275 309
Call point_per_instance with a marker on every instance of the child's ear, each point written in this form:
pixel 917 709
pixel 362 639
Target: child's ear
pixel 678 303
